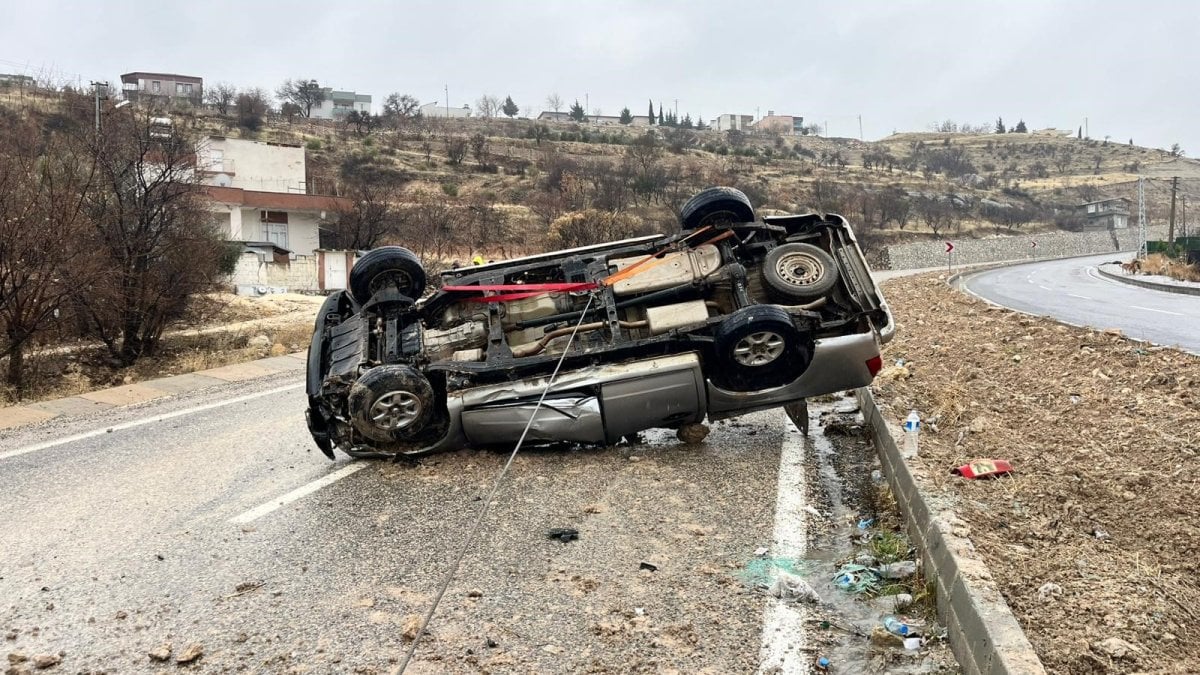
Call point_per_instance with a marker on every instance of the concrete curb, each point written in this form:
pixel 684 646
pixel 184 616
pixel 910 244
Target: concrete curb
pixel 16 416
pixel 984 635
pixel 1153 285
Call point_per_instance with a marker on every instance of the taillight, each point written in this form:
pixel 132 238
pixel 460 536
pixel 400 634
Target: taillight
pixel 875 364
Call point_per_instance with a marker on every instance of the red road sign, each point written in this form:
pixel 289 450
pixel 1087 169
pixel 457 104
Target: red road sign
pixel 949 247
pixel 1033 244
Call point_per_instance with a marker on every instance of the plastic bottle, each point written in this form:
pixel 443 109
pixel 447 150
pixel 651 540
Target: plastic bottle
pixel 896 626
pixel 912 428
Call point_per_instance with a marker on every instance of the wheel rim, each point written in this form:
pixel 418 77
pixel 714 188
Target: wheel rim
pixel 759 349
pixel 799 269
pixel 402 280
pixel 395 410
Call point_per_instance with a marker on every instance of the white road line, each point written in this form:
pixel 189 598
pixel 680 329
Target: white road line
pixel 1151 309
pixel 302 491
pixel 1081 297
pixel 783 638
pixel 1045 288
pixel 149 420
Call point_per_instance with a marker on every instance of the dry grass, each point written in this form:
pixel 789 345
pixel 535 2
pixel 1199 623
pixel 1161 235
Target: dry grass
pixel 1161 265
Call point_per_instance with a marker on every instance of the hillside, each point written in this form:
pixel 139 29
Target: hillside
pixel 501 186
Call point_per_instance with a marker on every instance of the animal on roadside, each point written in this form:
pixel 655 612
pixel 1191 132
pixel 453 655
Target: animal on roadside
pixel 1132 267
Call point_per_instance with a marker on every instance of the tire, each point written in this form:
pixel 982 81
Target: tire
pixel 716 206
pixel 391 403
pixel 799 271
pixel 758 347
pixel 387 266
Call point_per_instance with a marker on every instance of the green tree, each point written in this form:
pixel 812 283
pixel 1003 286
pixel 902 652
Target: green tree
pixel 1000 125
pixel 626 116
pixel 1020 128
pixel 1079 134
pixel 509 108
pixel 653 119
pixel 577 113
pixel 661 119
pixel 687 121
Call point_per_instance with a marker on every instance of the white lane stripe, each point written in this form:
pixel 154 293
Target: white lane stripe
pixel 783 639
pixel 302 491
pixel 149 420
pixel 1151 309
pixel 1081 297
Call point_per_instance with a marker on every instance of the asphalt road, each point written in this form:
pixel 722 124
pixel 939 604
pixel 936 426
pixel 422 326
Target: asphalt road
pixel 1073 291
pixel 209 518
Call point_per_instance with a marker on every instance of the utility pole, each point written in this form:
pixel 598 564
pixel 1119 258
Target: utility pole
pixel 447 101
pixel 1141 217
pixel 96 93
pixel 1086 133
pixel 860 134
pixel 1171 227
pixel 1183 230
pixel 677 108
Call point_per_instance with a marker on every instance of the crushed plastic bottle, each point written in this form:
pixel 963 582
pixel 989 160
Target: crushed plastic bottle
pixel 898 626
pixel 912 429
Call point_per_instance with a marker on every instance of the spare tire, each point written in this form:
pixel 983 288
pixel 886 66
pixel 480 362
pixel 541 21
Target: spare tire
pixel 391 403
pixel 716 206
pixel 758 347
pixel 393 266
pixel 799 271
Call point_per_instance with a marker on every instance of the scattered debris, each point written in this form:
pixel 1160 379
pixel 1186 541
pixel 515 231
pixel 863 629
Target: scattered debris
pixel 193 652
pixel 1048 591
pixel 563 534
pixel 983 468
pixel 41 661
pixel 1117 648
pixel 901 626
pixel 856 579
pixel 821 664
pixel 812 510
pixel 410 627
pixel 17 657
pixel 650 567
pixel 692 434
pixel 912 643
pixel 474 593
pixel 901 569
pixel 160 653
pixel 791 587
pixel 761 551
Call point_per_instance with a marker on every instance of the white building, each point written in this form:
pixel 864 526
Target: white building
pixel 728 121
pixel 436 109
pixel 257 194
pixel 338 104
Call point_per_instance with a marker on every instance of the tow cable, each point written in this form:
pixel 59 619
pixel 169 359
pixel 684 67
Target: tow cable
pixel 487 503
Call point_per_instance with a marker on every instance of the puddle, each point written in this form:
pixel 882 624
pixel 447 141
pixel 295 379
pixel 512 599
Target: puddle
pixel 845 485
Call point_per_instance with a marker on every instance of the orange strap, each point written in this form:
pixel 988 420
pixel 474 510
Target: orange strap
pixel 654 259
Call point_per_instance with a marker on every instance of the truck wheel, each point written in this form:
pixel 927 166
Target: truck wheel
pixel 758 347
pixel 799 271
pixel 716 206
pixel 391 403
pixel 386 266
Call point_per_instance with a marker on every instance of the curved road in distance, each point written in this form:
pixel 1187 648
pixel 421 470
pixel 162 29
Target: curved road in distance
pixel 1072 290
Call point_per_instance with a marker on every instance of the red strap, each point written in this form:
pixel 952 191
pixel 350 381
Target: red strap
pixel 520 291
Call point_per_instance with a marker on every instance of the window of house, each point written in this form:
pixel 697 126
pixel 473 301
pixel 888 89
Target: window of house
pixel 275 227
pixel 155 86
pixel 183 89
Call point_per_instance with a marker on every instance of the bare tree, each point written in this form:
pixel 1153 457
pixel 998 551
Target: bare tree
pixel 456 149
pixel 487 106
pixel 481 151
pixel 252 108
pixel 399 109
pixel 221 97
pixel 368 217
pixel 149 230
pixel 554 102
pixel 305 93
pixel 44 256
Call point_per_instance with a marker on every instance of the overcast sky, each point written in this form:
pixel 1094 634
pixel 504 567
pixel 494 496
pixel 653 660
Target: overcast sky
pixel 1128 67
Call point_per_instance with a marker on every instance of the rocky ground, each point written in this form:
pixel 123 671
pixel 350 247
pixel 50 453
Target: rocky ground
pixel 1093 540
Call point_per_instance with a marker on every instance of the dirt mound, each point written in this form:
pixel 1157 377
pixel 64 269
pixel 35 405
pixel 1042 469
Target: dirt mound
pixel 1096 536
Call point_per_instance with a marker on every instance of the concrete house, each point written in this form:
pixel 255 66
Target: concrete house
pixel 436 109
pixel 338 104
pixel 165 87
pixel 257 194
pixel 598 120
pixel 787 125
pixel 729 121
pixel 1105 214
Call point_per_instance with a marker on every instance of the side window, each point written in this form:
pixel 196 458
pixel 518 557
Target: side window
pixel 275 228
pixel 155 86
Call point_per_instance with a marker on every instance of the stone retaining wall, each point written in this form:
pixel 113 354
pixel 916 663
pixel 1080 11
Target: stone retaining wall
pixel 921 254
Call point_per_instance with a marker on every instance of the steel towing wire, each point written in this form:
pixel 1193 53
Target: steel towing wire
pixel 487 503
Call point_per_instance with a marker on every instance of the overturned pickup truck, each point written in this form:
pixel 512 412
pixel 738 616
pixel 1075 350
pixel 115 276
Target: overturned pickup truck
pixel 729 315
